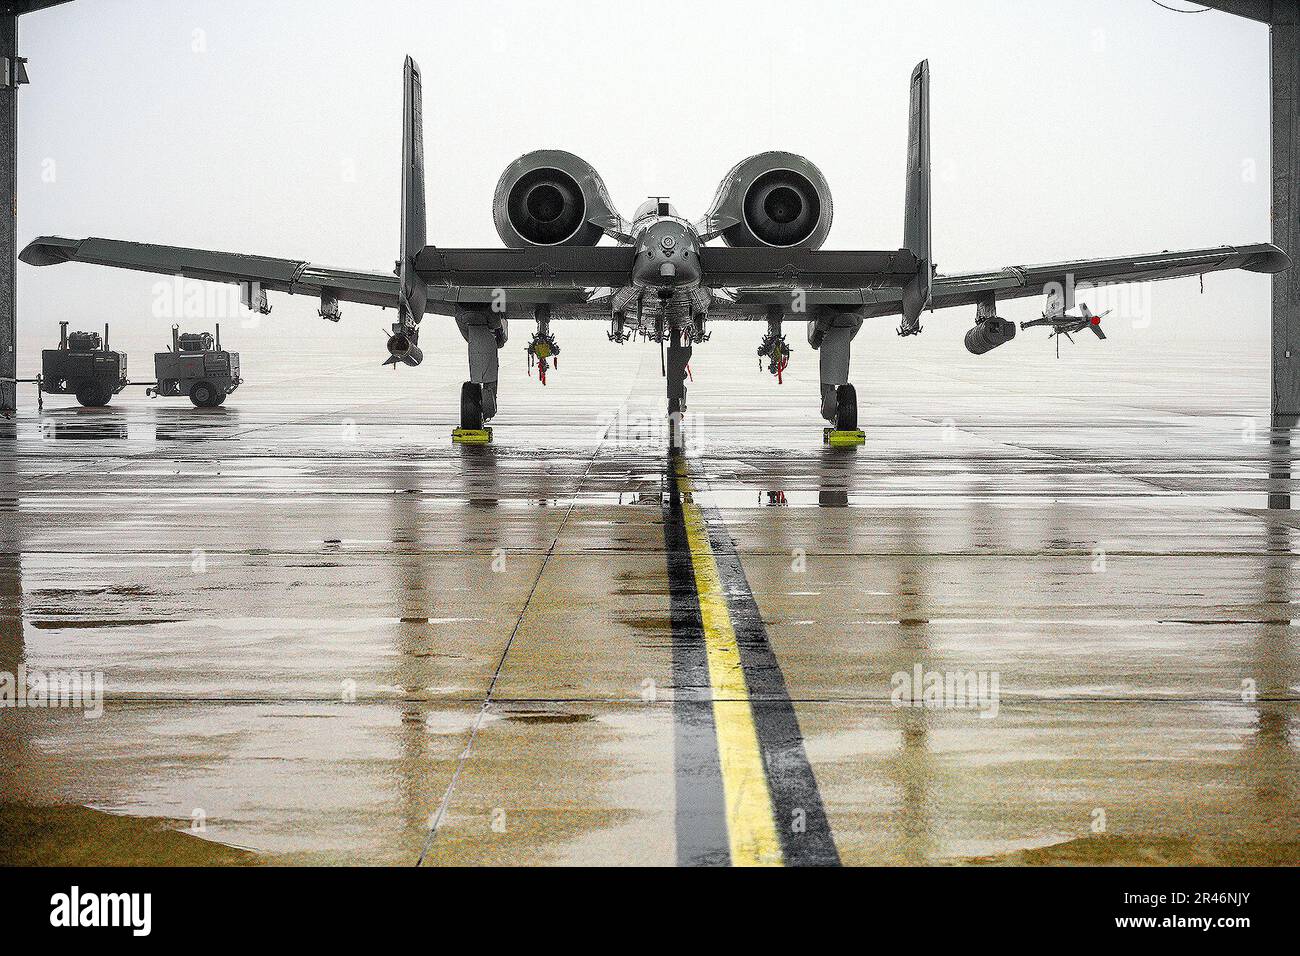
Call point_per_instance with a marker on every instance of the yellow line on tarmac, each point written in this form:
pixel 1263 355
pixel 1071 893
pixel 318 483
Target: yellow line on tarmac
pixel 751 818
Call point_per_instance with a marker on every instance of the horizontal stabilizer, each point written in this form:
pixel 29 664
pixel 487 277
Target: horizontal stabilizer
pixel 552 267
pixel 806 268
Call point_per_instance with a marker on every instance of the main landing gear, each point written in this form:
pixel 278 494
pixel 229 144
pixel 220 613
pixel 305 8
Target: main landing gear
pixel 478 403
pixel 485 332
pixel 840 405
pixel 831 334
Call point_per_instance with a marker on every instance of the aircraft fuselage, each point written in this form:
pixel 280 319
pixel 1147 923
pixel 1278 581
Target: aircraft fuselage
pixel 664 292
pixel 667 256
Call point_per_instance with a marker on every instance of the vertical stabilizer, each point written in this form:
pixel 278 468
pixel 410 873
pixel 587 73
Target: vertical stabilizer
pixel 414 237
pixel 916 214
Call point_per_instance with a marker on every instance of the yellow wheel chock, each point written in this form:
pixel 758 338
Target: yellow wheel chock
pixel 833 437
pixel 471 436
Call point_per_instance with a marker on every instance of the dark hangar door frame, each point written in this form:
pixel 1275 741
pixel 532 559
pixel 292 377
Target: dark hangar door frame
pixel 1283 19
pixel 12 75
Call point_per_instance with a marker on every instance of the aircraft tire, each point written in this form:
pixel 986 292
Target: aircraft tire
pixel 846 404
pixel 471 405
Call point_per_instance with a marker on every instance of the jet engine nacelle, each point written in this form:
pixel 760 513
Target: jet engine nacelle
pixel 772 199
pixel 552 198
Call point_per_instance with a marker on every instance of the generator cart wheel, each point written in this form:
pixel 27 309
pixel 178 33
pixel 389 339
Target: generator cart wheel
pixel 471 405
pixel 94 396
pixel 846 402
pixel 203 395
pixel 220 400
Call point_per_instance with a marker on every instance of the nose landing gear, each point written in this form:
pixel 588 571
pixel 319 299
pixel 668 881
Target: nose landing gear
pixel 678 357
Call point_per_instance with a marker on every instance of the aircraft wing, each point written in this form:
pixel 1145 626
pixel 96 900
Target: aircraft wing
pixel 1015 282
pixel 750 278
pixel 874 280
pixel 275 275
pixel 522 277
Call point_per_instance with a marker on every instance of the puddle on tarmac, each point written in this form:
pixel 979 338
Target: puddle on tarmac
pixel 87 431
pixel 547 717
pixel 70 835
pixel 657 625
pixel 55 624
pixel 1121 850
pixel 125 590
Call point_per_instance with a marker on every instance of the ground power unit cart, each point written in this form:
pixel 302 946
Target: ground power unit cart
pixel 83 365
pixel 198 367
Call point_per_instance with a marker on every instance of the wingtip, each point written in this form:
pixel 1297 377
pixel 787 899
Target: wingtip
pixel 48 251
pixel 1270 260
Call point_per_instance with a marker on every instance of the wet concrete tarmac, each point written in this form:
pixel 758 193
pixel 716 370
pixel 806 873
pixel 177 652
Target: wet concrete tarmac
pixel 327 635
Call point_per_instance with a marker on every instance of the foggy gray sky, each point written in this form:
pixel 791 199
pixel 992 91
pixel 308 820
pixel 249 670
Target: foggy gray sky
pixel 1061 129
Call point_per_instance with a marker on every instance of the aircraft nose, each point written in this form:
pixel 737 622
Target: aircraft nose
pixel 668 259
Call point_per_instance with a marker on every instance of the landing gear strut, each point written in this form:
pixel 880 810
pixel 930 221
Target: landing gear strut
pixel 678 357
pixel 831 334
pixel 485 332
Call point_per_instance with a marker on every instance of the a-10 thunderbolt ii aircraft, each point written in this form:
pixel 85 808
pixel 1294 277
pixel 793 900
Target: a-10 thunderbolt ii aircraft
pixel 660 280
